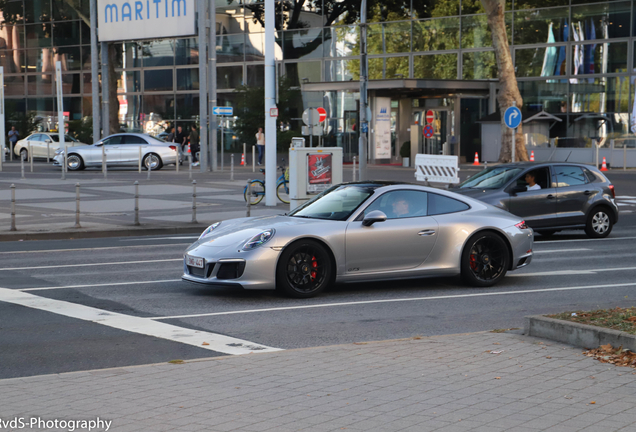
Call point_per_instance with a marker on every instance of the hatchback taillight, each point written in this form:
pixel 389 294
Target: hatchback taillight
pixel 522 225
pixel 611 188
pixel 173 148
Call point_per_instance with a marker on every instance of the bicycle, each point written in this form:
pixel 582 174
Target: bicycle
pixel 258 188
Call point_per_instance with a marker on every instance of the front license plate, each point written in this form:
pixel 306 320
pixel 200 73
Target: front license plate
pixel 194 262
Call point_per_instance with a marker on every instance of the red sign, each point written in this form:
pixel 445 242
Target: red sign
pixel 273 112
pixel 428 131
pixel 430 116
pixel 323 114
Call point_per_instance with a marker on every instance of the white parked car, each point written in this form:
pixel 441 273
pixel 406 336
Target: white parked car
pixel 121 150
pixel 39 142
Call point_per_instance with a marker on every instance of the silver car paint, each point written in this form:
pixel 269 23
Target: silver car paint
pixel 92 154
pixel 452 232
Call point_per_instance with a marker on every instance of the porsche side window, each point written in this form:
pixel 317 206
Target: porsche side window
pixel 400 204
pixel 439 204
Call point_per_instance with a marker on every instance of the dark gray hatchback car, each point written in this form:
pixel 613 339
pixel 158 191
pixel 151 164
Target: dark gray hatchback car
pixel 550 196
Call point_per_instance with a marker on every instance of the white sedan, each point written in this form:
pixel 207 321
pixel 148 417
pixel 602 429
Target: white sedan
pixel 40 142
pixel 122 149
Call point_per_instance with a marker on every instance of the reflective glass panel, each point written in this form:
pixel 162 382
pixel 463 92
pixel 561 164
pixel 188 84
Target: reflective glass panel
pixel 479 65
pixel 187 79
pixel 70 58
pixel 542 61
pixel 66 33
pixel 40 84
pixel 128 81
pixel 396 67
pixel 13 13
pixel 542 26
pixel 14 85
pixel 374 40
pixel 255 47
pixel 255 75
pixel 390 11
pixel 230 48
pixel 229 77
pixel 599 58
pixel 71 84
pixel 397 37
pixel 476 33
pixel 162 105
pixel 342 41
pixel 40 60
pixel 299 44
pixel 158 80
pixel 12 61
pixel 342 70
pixel 132 54
pixel 534 4
pixel 602 21
pixel 187 107
pixel 550 96
pixel 600 95
pixel 38 35
pixel 439 66
pixel 36 11
pixel 159 53
pixel 436 8
pixel 436 34
pixel 376 68
pixel 307 71
pixel 187 51
pixel 63 10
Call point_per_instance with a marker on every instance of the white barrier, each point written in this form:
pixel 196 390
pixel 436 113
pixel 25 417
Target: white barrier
pixel 436 168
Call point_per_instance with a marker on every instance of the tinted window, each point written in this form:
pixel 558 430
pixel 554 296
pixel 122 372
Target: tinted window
pixel 35 137
pixel 439 204
pixel 56 138
pixel 336 203
pixel 592 177
pixel 569 176
pixel 492 178
pixel 134 139
pixel 400 204
pixel 114 140
pixel 540 177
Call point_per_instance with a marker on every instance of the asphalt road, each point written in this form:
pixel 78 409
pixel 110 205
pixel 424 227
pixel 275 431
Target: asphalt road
pixel 97 303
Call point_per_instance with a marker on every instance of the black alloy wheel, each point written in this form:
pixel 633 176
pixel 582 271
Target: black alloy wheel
pixel 485 260
pixel 304 269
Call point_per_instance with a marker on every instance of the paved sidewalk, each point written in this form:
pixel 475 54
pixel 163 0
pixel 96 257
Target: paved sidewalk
pixel 443 383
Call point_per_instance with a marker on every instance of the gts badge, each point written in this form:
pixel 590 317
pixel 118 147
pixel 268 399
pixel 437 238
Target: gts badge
pixel 353 269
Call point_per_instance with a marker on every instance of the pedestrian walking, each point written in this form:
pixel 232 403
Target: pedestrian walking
pixel 182 138
pixel 260 144
pixel 171 136
pixel 194 144
pixel 14 136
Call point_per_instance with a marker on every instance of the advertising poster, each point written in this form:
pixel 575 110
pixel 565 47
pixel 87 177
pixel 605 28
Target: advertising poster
pixel 320 172
pixel 383 128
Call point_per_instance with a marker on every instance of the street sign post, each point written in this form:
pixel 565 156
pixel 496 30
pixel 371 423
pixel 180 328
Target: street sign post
pixel 311 117
pixel 430 116
pixel 512 118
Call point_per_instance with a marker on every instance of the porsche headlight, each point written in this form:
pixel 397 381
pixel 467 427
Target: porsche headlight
pixel 209 229
pixel 259 240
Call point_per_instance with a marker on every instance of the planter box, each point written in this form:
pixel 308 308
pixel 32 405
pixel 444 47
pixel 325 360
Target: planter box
pixel 579 335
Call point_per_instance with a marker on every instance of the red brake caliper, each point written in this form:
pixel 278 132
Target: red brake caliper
pixel 473 262
pixel 314 265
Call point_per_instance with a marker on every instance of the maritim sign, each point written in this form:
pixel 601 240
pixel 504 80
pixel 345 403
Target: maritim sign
pixel 145 19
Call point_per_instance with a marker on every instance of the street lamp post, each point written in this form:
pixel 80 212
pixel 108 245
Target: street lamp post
pixel 362 141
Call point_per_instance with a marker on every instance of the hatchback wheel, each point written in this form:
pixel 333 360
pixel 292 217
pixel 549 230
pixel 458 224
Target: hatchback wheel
pixel 485 260
pixel 599 223
pixel 304 269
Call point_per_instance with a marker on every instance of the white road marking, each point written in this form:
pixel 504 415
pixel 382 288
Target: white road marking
pixel 397 300
pixel 144 326
pixel 560 250
pixel 94 264
pixel 94 249
pixel 625 197
pixel 98 285
pixel 586 239
pixel 573 272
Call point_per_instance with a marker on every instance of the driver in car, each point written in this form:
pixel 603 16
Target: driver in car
pixel 532 184
pixel 400 206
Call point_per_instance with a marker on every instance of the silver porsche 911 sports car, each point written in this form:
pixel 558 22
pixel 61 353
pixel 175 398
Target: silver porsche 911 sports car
pixel 362 231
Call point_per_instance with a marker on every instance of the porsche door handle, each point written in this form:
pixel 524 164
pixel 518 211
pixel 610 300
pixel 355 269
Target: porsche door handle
pixel 426 232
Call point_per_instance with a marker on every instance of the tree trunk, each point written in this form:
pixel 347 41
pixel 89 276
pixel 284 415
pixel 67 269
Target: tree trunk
pixel 508 88
pixel 113 102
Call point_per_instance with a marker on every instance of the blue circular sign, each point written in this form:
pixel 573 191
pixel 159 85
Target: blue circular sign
pixel 428 131
pixel 512 117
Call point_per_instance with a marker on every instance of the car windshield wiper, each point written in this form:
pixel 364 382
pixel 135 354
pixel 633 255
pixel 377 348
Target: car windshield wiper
pixel 302 216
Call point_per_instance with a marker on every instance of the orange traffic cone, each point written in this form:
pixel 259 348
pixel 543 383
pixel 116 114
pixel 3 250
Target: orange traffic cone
pixel 532 156
pixel 604 166
pixel 188 148
pixel 476 162
pixel 242 159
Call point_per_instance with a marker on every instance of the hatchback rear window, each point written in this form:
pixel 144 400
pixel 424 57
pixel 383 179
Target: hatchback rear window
pixel 568 175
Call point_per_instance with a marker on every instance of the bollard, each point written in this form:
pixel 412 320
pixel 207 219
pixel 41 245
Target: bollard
pixel 178 158
pixel 77 205
pixel 243 158
pixel 104 167
pixel 249 197
pixel 139 161
pixel 253 159
pixel 65 163
pixel 1 158
pixel 48 151
pixel 11 152
pixel 190 165
pixel 149 169
pixel 354 168
pixel 194 201
pixel 232 168
pixel 21 165
pixel 13 228
pixel 136 203
pixel 30 157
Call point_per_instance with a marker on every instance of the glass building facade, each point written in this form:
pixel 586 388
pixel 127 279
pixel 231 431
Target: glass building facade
pixel 573 59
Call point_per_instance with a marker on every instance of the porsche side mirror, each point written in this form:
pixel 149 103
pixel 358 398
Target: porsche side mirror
pixel 373 217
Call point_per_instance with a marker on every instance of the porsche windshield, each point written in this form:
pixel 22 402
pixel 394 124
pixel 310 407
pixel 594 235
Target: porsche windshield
pixel 492 178
pixel 336 203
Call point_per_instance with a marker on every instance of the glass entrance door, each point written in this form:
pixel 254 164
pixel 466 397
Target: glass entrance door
pixel 442 131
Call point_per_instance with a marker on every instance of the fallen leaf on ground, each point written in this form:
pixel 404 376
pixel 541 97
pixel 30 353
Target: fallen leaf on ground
pixel 205 343
pixel 616 356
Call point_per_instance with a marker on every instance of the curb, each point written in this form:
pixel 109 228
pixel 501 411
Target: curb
pixel 579 335
pixel 119 232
